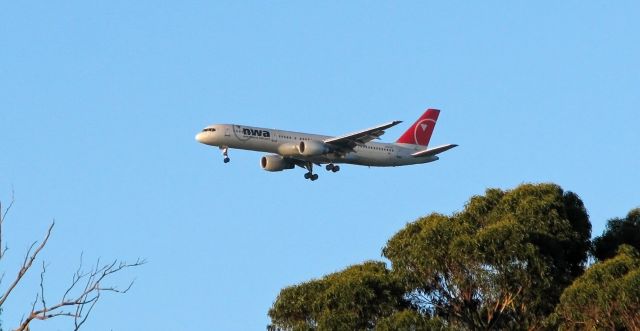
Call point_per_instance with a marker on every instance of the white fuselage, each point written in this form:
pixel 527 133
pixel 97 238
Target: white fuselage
pixel 285 144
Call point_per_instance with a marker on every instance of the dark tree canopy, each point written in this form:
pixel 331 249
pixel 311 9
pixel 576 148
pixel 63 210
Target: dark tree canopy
pixel 410 320
pixel 607 296
pixel 500 263
pixel 619 231
pixel 352 299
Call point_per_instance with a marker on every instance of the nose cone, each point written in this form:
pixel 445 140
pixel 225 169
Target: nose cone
pixel 200 137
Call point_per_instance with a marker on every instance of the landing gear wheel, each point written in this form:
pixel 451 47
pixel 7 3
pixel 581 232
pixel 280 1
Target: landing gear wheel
pixel 225 153
pixel 310 174
pixel 332 167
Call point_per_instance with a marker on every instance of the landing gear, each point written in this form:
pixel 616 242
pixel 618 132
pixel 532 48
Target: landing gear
pixel 310 175
pixel 332 167
pixel 225 153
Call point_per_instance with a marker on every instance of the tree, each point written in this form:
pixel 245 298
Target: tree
pixel 81 296
pixel 352 299
pixel 618 231
pixel 410 320
pixel 607 296
pixel 500 263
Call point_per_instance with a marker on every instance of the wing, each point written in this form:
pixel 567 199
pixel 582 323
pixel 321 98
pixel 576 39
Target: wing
pixel 434 151
pixel 349 141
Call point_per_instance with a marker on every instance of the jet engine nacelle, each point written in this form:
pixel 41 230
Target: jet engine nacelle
pixel 275 163
pixel 313 148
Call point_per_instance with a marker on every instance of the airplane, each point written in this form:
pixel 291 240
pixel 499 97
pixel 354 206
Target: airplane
pixel 289 149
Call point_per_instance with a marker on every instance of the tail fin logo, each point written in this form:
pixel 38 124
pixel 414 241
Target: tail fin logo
pixel 421 134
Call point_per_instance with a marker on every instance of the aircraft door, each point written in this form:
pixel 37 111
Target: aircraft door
pixel 227 131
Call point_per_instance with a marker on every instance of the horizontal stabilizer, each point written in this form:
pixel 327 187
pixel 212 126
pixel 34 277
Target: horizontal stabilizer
pixel 434 151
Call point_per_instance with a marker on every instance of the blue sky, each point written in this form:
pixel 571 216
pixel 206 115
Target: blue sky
pixel 100 102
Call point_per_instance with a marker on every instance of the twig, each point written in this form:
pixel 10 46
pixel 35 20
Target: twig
pixel 86 300
pixel 28 261
pixel 3 215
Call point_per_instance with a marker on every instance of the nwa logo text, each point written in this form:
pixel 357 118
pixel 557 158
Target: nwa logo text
pixel 256 133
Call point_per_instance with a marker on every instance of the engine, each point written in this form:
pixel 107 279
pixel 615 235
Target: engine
pixel 313 148
pixel 275 163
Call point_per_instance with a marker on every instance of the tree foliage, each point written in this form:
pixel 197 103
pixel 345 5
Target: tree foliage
pixel 410 320
pixel 500 263
pixel 607 296
pixel 618 231
pixel 352 299
pixel 506 261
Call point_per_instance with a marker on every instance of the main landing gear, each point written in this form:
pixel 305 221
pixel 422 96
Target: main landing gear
pixel 332 167
pixel 225 153
pixel 310 175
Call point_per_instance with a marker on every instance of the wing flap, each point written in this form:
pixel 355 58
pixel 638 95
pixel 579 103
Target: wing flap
pixel 434 151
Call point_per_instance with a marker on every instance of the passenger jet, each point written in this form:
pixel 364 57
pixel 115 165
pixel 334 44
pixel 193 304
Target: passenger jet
pixel 289 149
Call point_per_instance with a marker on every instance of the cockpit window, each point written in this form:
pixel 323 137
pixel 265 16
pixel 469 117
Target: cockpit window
pixel 209 129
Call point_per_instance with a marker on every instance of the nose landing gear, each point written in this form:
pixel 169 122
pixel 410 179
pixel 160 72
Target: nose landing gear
pixel 225 153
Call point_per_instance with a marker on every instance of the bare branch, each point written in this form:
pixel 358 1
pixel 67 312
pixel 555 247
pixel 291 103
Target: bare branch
pixel 3 215
pixel 80 297
pixel 28 261
pixel 83 303
pixel 78 321
pixel 76 278
pixel 44 304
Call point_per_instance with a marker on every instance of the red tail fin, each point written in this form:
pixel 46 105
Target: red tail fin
pixel 420 132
